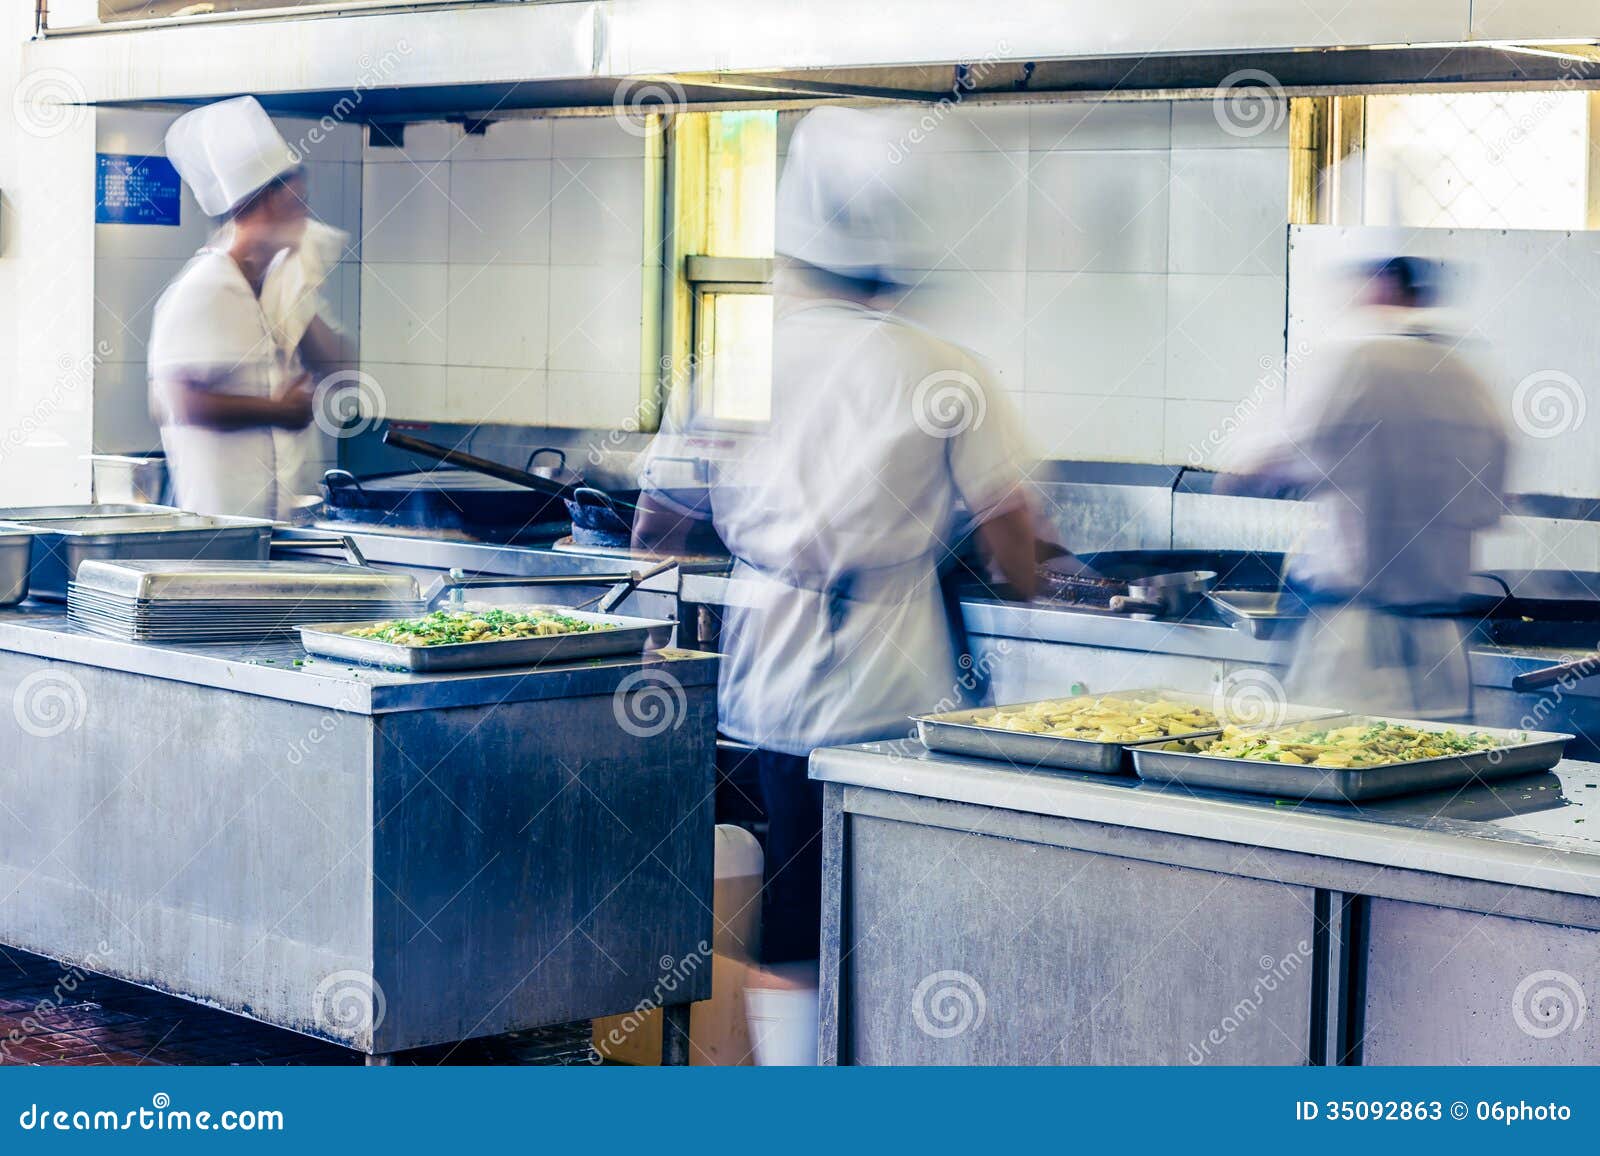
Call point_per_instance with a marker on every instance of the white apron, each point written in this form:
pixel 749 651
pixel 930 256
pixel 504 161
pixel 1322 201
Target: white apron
pixel 1372 661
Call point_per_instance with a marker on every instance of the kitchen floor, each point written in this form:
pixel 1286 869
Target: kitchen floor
pixel 103 1021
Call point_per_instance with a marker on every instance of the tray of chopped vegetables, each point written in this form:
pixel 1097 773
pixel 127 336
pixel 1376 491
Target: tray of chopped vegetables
pixel 466 637
pixel 1349 758
pixel 1089 732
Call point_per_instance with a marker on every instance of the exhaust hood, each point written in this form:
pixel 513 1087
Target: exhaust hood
pixel 422 59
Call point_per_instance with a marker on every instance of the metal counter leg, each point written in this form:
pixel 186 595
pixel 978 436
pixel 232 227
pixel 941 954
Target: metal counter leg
pixel 381 1060
pixel 675 1035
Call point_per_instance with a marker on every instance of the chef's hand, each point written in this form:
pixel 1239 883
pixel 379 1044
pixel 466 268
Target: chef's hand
pixel 296 403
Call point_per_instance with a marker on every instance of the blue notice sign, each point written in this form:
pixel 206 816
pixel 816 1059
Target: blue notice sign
pixel 132 190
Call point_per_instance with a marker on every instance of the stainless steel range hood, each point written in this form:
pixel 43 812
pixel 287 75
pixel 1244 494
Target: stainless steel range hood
pixel 430 59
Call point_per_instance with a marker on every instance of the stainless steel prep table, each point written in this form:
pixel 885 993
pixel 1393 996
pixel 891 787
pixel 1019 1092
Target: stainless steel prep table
pixel 383 859
pixel 974 913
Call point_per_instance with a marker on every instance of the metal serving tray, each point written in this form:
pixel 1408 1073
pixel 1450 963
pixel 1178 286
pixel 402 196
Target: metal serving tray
pixel 631 636
pixel 1260 613
pixel 95 510
pixel 1525 752
pixel 207 582
pixel 62 545
pixel 956 733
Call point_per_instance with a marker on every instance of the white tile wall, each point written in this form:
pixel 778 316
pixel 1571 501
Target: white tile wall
pixel 1105 211
pixel 1120 264
pixel 1097 334
pixel 510 270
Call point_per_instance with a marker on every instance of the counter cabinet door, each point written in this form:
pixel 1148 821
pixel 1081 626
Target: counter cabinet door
pixel 967 948
pixel 1446 986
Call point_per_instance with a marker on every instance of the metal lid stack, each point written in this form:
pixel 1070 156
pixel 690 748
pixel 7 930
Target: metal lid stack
pixel 224 601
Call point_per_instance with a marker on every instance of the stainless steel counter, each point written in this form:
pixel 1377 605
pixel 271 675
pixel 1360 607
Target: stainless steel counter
pixel 383 859
pixel 1043 918
pixel 1540 831
pixel 282 670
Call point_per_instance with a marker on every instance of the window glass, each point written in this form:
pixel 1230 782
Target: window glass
pixel 1477 160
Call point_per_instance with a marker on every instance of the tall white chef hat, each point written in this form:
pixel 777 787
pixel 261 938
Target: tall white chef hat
pixel 228 151
pixel 850 201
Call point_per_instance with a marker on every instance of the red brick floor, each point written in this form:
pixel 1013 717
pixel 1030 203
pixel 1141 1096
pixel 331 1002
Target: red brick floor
pixel 105 1021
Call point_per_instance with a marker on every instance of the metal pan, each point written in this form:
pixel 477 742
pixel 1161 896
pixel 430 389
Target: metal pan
pixel 1260 613
pixel 1524 753
pixel 955 733
pixel 631 636
pixel 62 545
pixel 16 553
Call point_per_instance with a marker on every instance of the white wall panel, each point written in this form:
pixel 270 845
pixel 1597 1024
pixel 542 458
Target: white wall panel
pixel 1525 302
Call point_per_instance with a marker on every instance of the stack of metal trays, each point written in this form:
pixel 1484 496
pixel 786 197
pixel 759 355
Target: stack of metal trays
pixel 221 601
pixel 62 542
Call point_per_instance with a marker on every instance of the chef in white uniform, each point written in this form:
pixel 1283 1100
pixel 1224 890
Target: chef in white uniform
pixel 220 382
pixel 884 443
pixel 1403 453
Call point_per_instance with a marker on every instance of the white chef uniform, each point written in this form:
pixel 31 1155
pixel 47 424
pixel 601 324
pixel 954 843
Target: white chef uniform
pixel 840 513
pixel 209 325
pixel 1406 453
pixel 838 522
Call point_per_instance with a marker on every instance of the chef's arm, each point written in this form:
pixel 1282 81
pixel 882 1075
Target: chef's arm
pixel 660 527
pixel 1008 540
pixel 323 349
pixel 196 401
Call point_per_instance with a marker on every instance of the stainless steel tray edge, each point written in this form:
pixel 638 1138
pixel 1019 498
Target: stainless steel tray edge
pixel 955 733
pixel 632 635
pixel 1540 751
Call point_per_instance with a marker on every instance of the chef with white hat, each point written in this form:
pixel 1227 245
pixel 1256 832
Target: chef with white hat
pixel 223 385
pixel 885 442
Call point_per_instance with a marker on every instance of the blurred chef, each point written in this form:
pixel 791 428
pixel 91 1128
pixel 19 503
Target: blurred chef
pixel 228 375
pixel 839 516
pixel 1403 453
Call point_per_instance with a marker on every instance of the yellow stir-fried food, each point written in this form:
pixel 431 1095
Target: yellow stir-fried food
pixel 1365 743
pixel 444 627
pixel 1101 718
